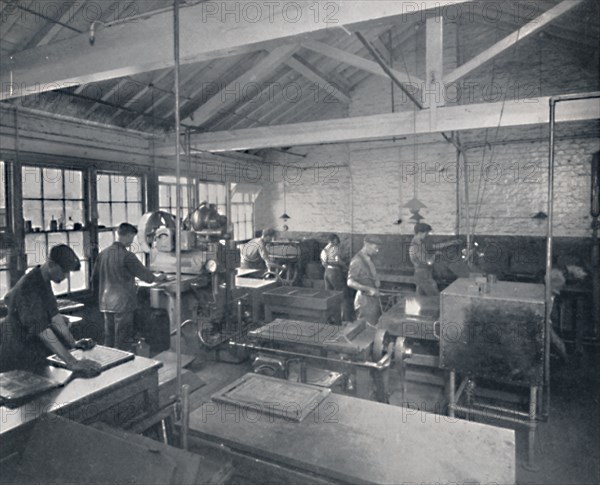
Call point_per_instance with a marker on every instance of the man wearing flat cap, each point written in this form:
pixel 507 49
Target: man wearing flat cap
pixel 362 276
pixel 33 328
pixel 422 256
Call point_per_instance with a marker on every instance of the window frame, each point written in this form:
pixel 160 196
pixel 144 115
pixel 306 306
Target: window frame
pixel 85 231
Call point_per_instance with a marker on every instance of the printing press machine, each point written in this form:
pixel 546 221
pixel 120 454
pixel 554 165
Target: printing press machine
pixel 491 334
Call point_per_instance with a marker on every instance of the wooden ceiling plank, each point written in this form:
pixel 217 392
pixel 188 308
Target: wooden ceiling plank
pixel 312 74
pixel 140 94
pixel 255 113
pixel 128 48
pixel 165 96
pixel 254 75
pixel 357 61
pixel 510 40
pixel 219 66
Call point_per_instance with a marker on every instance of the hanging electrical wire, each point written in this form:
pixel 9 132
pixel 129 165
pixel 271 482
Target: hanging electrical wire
pixel 483 176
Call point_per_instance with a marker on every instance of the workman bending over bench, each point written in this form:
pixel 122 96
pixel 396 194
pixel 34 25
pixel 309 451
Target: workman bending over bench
pixel 33 328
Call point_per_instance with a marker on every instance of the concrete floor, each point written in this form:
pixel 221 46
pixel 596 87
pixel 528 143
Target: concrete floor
pixel 567 445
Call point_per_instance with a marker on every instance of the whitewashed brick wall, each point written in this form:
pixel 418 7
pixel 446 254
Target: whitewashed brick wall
pixel 371 181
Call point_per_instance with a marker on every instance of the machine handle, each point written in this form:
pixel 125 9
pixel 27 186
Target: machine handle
pixel 436 329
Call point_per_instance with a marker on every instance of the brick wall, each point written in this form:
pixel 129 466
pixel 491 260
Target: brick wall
pixel 360 187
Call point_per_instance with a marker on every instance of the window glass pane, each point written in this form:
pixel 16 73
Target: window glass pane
pixel 61 288
pixel 163 196
pixel 184 196
pixel 79 279
pixel 32 182
pixel 75 241
pixel 74 210
pixel 53 209
pixel 117 188
pixel 4 283
pixel 104 214
pixel 105 239
pixel 173 197
pixel 32 211
pixel 134 189
pixel 103 186
pixel 35 248
pixel 73 184
pixel 134 213
pixel 119 214
pixel 53 183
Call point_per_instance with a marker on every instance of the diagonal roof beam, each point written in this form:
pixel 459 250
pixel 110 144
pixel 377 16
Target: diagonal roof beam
pixel 66 18
pixel 165 96
pixel 254 75
pixel 357 61
pixel 510 40
pixel 406 89
pixel 312 74
pixel 131 47
pixel 521 112
pixel 141 93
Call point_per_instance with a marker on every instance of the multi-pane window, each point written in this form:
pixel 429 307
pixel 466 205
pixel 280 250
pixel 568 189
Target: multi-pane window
pixel 167 194
pixel 119 200
pixel 53 209
pixel 5 240
pixel 213 193
pixel 242 216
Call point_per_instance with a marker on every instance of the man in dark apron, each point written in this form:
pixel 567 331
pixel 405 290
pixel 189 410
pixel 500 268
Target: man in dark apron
pixel 362 276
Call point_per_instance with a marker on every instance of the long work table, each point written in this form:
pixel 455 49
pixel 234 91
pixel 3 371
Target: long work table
pixel 118 396
pixel 351 440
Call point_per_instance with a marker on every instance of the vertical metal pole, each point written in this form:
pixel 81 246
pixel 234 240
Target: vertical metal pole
pixel 548 329
pixel 451 393
pixel 17 205
pixel 178 195
pixel 185 414
pixel 532 425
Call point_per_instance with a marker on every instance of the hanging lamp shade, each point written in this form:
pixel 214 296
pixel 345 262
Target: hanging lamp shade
pixel 414 205
pixel 285 217
pixel 540 216
pixel 416 217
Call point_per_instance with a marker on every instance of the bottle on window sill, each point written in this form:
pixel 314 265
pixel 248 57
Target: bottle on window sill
pixel 70 224
pixel 53 224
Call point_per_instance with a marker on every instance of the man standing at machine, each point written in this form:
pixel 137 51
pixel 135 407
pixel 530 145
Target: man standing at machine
pixel 362 276
pixel 255 255
pixel 115 272
pixel 335 268
pixel 33 328
pixel 422 256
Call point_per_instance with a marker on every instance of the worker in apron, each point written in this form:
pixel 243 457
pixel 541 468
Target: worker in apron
pixel 334 277
pixel 362 276
pixel 33 328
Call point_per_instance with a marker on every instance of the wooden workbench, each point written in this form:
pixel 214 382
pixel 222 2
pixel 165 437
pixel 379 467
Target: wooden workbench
pixel 118 396
pixel 352 440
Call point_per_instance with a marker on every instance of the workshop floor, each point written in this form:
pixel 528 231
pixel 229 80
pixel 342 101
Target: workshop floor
pixel 567 445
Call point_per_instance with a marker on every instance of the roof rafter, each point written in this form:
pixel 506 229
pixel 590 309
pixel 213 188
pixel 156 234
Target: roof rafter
pixel 128 48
